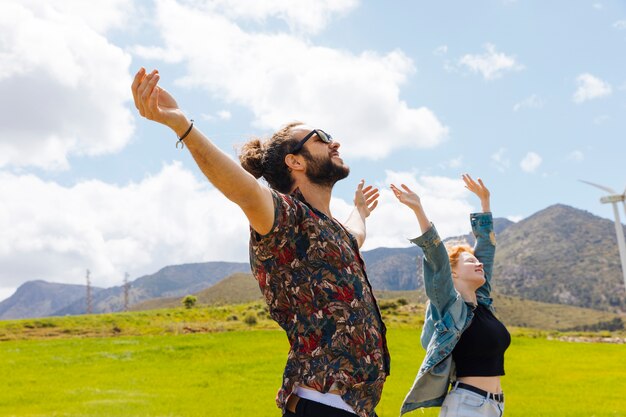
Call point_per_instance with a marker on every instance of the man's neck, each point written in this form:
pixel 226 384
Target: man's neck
pixel 317 196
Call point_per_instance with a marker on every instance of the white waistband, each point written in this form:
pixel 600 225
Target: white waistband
pixel 331 400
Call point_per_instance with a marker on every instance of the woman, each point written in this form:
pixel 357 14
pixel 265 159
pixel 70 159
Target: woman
pixel 464 341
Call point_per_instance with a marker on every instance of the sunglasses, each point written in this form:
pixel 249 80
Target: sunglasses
pixel 324 137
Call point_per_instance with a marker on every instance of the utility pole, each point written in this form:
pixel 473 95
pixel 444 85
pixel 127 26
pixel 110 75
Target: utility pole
pixel 126 291
pixel 89 294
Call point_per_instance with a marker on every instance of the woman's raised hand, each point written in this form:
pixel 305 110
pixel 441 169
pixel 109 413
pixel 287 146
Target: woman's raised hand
pixel 154 103
pixel 365 199
pixel 406 196
pixel 478 188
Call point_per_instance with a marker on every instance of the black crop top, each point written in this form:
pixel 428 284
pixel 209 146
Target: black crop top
pixel 480 351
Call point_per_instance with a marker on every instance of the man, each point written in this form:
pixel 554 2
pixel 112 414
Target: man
pixel 307 264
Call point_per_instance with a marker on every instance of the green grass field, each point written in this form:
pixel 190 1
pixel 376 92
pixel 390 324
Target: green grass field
pixel 237 373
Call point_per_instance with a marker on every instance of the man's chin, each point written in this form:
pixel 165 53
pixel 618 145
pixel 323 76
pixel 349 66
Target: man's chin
pixel 338 162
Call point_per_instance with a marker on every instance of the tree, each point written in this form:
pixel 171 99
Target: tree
pixel 190 301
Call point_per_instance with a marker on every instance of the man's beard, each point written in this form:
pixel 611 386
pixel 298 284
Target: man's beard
pixel 323 171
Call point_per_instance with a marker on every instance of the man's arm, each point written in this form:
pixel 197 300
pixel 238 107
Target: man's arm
pixel 365 201
pixel 239 186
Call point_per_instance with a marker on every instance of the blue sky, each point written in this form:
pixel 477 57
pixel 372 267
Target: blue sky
pixel 528 95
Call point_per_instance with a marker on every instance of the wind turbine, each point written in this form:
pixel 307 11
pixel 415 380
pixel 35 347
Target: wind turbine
pixel 615 198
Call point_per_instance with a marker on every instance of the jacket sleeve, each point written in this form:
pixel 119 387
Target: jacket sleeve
pixel 484 249
pixel 437 274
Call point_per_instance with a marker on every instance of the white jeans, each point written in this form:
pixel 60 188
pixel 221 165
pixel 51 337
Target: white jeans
pixel 463 403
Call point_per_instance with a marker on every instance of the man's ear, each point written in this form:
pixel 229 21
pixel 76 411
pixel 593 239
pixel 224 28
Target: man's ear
pixel 294 162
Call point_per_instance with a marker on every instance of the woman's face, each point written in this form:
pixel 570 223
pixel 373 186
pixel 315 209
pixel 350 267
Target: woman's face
pixel 469 270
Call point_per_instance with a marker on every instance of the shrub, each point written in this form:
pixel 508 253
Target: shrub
pixel 250 319
pixel 190 301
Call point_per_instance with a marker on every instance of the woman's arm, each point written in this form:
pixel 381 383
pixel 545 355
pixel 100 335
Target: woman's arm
pixel 480 190
pixel 437 274
pixel 482 228
pixel 239 186
pixel 365 201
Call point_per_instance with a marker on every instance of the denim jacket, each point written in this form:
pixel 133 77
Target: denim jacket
pixel 447 314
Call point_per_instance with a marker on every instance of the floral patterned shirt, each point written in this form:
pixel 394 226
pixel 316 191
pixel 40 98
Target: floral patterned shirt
pixel 313 279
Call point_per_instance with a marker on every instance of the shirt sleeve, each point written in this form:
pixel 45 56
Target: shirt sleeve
pixel 437 273
pixel 485 248
pixel 287 214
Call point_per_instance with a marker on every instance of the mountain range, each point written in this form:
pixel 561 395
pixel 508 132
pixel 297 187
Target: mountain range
pixel 558 255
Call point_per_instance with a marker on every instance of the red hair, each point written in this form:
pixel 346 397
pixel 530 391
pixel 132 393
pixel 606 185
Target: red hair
pixel 455 251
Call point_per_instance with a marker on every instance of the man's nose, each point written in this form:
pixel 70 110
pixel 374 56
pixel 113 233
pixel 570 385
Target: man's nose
pixel 335 145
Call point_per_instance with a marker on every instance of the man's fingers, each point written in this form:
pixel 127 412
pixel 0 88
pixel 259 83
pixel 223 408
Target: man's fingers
pixel 372 197
pixel 144 90
pixel 149 98
pixel 370 192
pixel 135 85
pixel 373 206
pixel 153 103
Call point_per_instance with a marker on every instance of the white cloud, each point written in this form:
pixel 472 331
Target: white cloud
pixel 224 115
pixel 491 64
pixel 532 102
pixel 445 201
pixel 500 161
pixel 441 50
pixel 590 87
pixel 576 156
pixel 220 115
pixel 69 86
pixel 530 162
pixel 6 292
pixel 309 17
pixel 282 77
pixel 514 218
pixel 453 162
pixel 168 218
pixel 620 25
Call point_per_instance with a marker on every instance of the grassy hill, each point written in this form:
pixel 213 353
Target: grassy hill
pixel 235 289
pixel 513 311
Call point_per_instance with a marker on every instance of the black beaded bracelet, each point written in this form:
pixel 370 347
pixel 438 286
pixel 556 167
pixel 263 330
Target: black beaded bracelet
pixel 180 139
